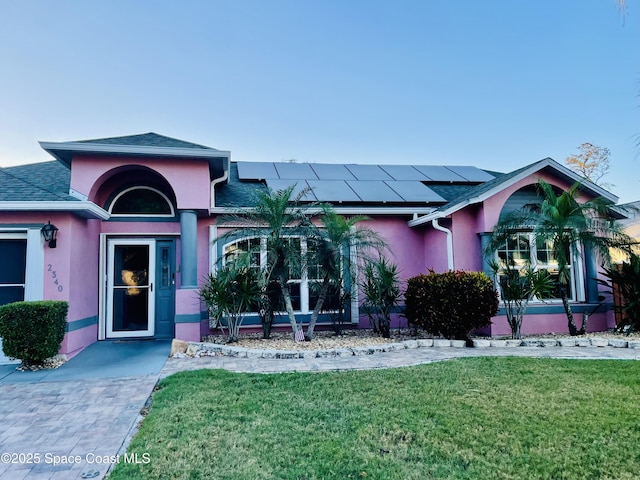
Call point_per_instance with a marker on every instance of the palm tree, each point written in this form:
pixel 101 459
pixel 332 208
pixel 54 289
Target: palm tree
pixel 563 223
pixel 278 216
pixel 337 247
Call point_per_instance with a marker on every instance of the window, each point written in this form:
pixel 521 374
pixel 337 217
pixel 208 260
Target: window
pixel 141 201
pixel 521 250
pixel 304 280
pixel 13 252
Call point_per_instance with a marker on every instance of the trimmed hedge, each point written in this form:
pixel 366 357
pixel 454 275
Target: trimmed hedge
pixel 451 304
pixel 33 331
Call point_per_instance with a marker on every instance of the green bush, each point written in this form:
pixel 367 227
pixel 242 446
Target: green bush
pixel 624 282
pixel 450 304
pixel 33 331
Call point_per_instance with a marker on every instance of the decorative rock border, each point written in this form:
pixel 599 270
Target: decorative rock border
pixel 203 349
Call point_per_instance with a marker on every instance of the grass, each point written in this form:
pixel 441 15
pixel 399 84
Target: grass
pixel 474 418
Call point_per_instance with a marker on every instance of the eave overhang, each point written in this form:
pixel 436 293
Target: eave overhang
pixel 82 209
pixel 560 171
pixel 64 152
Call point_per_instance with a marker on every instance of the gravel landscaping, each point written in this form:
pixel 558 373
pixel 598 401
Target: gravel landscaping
pixel 328 340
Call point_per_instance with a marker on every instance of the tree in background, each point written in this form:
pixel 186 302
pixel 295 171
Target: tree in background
pixel 592 162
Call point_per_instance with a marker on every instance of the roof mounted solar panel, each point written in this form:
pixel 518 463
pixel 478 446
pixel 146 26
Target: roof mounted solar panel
pixel 403 172
pixel 473 174
pixel 415 191
pixel 368 172
pixel 374 191
pixel 329 171
pixel 277 185
pixel 295 171
pixel 333 191
pixel 437 173
pixel 256 171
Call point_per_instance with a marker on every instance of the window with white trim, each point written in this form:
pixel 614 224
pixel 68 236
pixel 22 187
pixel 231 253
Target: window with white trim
pixel 13 252
pixel 304 280
pixel 521 249
pixel 141 201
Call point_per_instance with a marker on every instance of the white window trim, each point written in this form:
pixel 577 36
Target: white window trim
pixel 576 273
pixel 305 308
pixel 34 264
pixel 137 215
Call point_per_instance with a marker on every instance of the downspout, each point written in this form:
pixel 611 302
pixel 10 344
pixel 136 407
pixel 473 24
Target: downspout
pixel 214 182
pixel 439 227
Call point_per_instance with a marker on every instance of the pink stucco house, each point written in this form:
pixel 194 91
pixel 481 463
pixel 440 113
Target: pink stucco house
pixel 137 217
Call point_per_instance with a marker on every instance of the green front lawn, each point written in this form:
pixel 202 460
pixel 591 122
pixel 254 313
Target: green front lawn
pixel 475 418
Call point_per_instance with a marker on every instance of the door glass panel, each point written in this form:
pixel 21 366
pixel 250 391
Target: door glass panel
pixel 164 266
pixel 131 288
pixel 130 310
pixel 131 265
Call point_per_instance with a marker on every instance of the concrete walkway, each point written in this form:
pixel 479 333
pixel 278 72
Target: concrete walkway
pixel 84 414
pixel 400 358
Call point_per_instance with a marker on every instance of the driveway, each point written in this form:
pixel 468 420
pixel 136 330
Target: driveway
pixel 72 422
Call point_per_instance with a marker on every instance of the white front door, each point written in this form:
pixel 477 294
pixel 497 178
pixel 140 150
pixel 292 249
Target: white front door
pixel 130 290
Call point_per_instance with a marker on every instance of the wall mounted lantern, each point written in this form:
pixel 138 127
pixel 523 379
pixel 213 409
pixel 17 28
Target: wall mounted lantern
pixel 49 233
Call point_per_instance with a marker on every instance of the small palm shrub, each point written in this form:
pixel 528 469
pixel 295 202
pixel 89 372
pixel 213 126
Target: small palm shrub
pixel 450 304
pixel 33 331
pixel 381 290
pixel 517 288
pixel 232 292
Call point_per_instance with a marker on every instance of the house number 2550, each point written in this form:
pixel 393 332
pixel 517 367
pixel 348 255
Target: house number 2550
pixel 54 276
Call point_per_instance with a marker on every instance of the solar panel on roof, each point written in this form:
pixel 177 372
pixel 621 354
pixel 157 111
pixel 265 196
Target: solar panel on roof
pixel 403 172
pixel 327 171
pixel 374 191
pixel 275 184
pixel 333 191
pixel 415 191
pixel 368 172
pixel 256 171
pixel 439 173
pixel 473 174
pixel 295 171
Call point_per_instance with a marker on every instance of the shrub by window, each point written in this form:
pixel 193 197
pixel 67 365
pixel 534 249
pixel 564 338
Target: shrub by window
pixel 33 331
pixel 450 304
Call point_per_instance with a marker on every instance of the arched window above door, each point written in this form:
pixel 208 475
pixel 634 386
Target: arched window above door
pixel 141 201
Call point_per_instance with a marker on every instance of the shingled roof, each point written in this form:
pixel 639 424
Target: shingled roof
pixel 48 181
pixel 150 139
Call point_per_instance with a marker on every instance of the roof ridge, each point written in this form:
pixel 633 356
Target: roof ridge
pixel 145 139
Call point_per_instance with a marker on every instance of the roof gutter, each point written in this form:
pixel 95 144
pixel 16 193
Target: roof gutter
pixel 215 182
pixel 409 211
pixel 449 234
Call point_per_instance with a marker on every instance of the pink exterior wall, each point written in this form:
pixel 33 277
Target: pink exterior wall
pixel 493 205
pixel 467 252
pixel 74 342
pixel 435 249
pixel 405 244
pixel 548 323
pixel 189 178
pixel 70 270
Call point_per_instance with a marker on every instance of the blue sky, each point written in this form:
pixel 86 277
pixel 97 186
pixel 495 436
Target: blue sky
pixel 497 84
